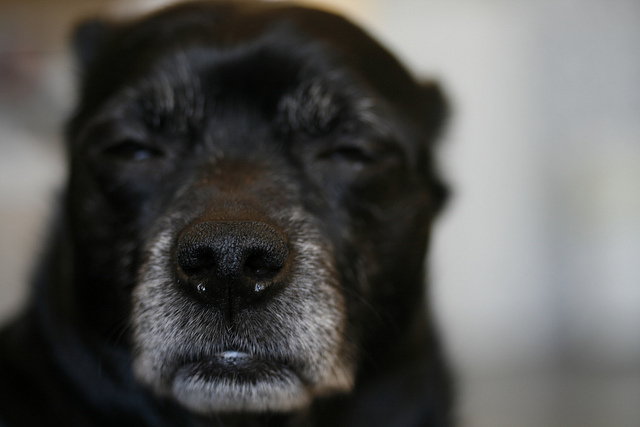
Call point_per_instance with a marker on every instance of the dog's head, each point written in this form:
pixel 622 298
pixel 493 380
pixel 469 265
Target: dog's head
pixel 251 191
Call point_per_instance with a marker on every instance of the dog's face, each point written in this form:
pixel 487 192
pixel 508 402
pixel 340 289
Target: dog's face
pixel 251 191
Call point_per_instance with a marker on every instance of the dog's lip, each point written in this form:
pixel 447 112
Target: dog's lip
pixel 236 365
pixel 232 355
pixel 234 379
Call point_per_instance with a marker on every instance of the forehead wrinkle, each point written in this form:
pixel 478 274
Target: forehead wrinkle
pixel 325 96
pixel 176 87
pixel 307 86
pixel 170 89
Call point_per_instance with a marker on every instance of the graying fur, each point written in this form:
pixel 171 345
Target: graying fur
pixel 303 327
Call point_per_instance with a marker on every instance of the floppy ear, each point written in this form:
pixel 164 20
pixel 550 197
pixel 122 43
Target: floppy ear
pixel 436 107
pixel 436 110
pixel 88 39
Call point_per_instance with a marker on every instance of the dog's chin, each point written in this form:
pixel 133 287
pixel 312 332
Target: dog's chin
pixel 239 382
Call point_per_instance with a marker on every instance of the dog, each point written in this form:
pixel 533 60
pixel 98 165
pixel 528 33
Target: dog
pixel 242 238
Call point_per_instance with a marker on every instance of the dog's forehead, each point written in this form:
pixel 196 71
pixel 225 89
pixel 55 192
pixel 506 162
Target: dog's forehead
pixel 314 36
pixel 228 24
pixel 265 84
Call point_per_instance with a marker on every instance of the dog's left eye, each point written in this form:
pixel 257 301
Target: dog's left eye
pixel 349 154
pixel 132 150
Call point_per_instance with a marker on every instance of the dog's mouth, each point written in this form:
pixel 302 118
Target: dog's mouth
pixel 233 356
pixel 232 380
pixel 233 365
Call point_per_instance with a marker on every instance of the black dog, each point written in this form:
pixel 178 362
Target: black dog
pixel 243 232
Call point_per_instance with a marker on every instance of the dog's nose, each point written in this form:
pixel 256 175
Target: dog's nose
pixel 233 263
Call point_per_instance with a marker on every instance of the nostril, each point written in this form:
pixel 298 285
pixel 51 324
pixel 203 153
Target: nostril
pixel 196 261
pixel 259 267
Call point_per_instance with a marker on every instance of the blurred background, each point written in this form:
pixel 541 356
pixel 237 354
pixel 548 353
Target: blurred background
pixel 536 262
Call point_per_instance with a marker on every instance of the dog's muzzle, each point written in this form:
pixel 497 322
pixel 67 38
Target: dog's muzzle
pixel 241 314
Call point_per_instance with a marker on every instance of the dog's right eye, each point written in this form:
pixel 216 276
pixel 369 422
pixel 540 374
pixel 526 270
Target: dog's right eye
pixel 348 154
pixel 132 150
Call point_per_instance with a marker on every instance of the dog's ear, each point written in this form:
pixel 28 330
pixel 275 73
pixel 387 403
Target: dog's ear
pixel 436 107
pixel 436 110
pixel 88 39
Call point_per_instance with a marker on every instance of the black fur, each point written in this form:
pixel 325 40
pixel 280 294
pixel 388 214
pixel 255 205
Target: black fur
pixel 243 234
